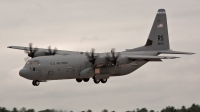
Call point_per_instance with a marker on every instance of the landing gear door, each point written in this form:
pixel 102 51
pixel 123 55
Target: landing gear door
pixel 40 73
pixel 49 75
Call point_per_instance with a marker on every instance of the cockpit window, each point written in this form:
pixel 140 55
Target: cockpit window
pixel 34 63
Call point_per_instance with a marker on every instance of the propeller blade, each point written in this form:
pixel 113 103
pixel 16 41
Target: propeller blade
pixel 30 47
pixel 30 51
pixel 51 52
pixel 114 57
pixel 92 52
pixel 113 52
pixel 26 59
pixel 49 49
pixel 55 50
pixel 118 55
pixel 87 54
pixel 91 56
pixel 26 51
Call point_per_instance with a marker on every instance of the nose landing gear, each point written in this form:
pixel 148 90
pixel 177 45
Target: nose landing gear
pixel 36 82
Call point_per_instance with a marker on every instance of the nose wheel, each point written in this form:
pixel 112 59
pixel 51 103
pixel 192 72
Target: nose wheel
pixel 36 82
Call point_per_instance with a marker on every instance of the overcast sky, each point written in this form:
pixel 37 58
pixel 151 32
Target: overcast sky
pixel 104 24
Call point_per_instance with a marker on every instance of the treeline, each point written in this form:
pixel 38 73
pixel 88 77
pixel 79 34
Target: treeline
pixel 193 108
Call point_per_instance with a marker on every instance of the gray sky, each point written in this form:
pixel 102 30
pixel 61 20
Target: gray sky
pixel 82 25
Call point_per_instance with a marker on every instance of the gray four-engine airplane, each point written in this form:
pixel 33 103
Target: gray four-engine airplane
pixel 47 64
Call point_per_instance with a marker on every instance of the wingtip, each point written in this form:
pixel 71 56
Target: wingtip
pixel 9 47
pixel 190 53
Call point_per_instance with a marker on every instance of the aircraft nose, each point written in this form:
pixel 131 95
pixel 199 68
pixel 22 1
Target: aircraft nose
pixel 23 72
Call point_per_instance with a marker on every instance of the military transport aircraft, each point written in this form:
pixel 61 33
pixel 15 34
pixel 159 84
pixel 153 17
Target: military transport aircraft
pixel 47 64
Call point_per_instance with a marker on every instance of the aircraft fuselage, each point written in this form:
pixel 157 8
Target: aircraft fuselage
pixel 70 66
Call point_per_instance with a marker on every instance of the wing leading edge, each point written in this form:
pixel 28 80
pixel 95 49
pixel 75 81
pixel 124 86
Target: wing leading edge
pixel 61 52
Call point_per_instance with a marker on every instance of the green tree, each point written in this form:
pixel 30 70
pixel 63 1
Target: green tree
pixel 89 110
pixel 169 109
pixel 47 110
pixel 143 110
pixel 23 109
pixel 104 110
pixel 3 109
pixel 194 108
pixel 183 109
pixel 151 111
pixel 30 110
pixel 14 109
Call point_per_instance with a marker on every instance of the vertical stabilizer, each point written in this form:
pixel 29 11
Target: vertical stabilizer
pixel 158 38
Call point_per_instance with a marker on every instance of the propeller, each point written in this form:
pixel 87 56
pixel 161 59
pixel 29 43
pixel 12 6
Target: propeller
pixel 51 52
pixel 31 51
pixel 26 59
pixel 91 56
pixel 114 57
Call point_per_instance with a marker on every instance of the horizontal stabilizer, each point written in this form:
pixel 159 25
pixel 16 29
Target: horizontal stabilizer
pixel 151 57
pixel 174 52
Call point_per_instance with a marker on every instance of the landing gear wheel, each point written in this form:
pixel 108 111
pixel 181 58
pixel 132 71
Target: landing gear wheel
pixel 33 82
pixel 96 81
pixel 104 80
pixel 86 79
pixel 79 80
pixel 36 82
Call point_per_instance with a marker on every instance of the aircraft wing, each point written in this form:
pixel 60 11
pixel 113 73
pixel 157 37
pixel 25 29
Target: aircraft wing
pixel 150 58
pixel 61 52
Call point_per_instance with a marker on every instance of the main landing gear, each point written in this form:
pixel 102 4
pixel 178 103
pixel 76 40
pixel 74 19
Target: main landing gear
pixel 96 81
pixel 36 82
pixel 84 79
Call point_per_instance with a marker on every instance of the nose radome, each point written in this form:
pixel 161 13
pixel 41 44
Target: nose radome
pixel 23 72
pixel 27 73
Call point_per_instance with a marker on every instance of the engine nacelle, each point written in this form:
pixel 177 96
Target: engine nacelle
pixel 87 73
pixel 100 61
pixel 123 61
pixel 39 53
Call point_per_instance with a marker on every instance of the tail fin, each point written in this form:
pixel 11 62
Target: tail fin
pixel 158 38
